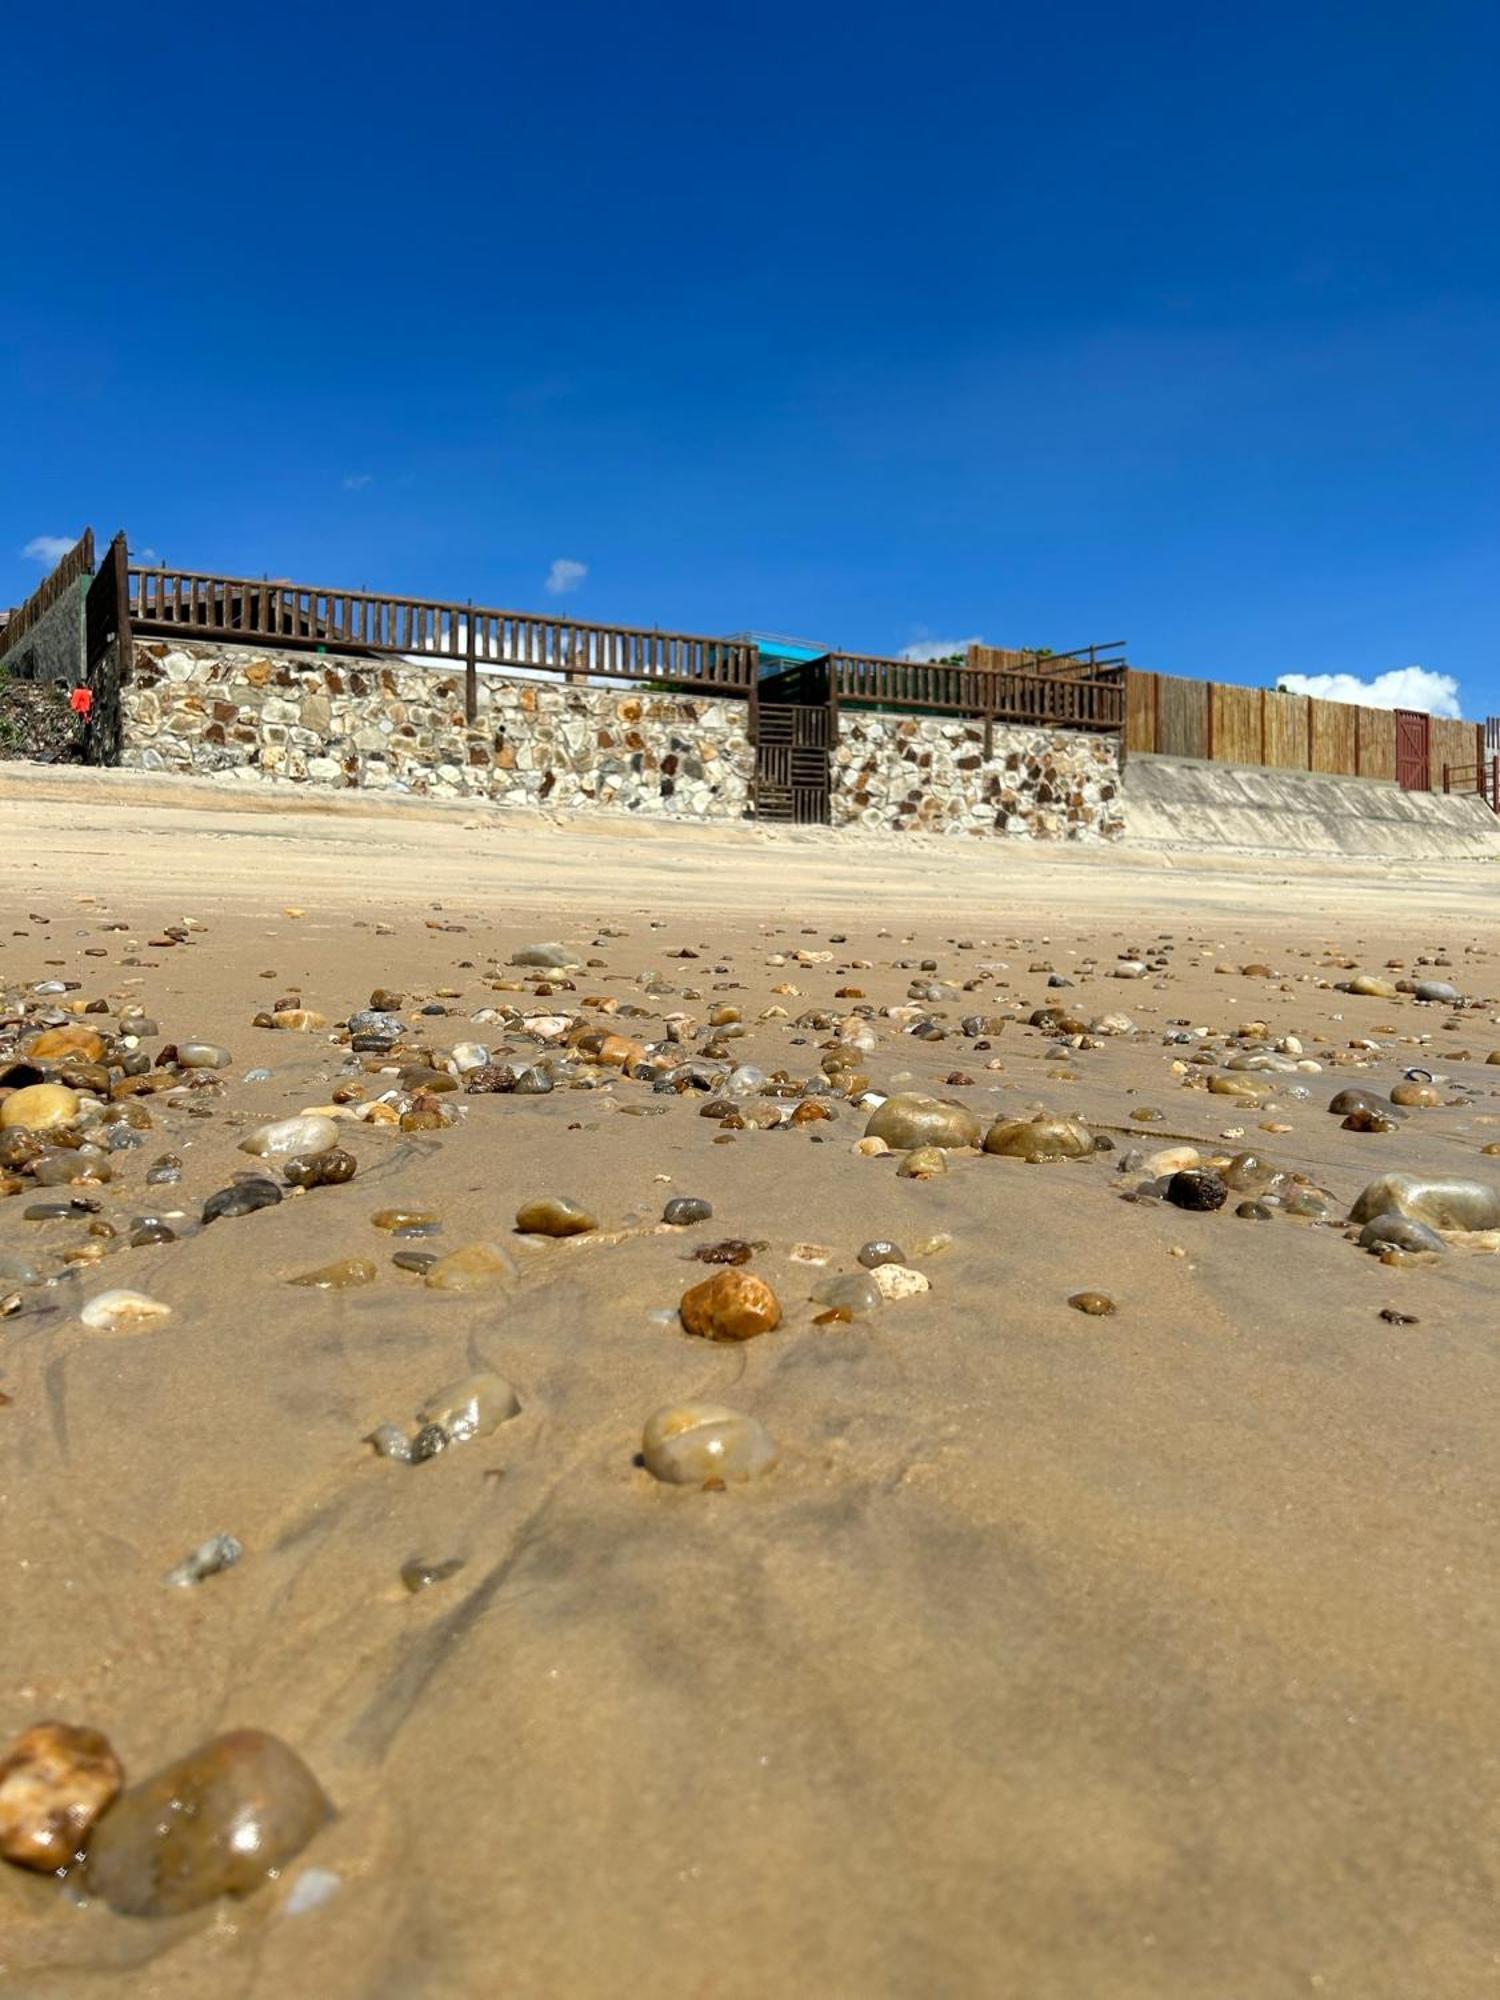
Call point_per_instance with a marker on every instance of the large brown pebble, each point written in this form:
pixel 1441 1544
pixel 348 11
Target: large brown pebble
pixel 1039 1139
pixel 554 1215
pixel 731 1305
pixel 53 1044
pixel 55 1780
pixel 911 1119
pixel 218 1822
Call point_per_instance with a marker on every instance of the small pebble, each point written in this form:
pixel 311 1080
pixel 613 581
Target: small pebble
pixel 706 1444
pixel 418 1575
pixel 732 1305
pixel 684 1209
pixel 554 1215
pixel 343 1276
pixel 1095 1304
pixel 55 1781
pixel 219 1552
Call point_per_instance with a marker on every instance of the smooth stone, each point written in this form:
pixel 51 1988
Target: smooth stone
pixel 853 1292
pixel 1425 989
pixel 1236 1086
pixel 899 1281
pixel 391 1442
pixel 1254 1211
pixel 407 1221
pixel 470 1268
pixel 1435 1199
pixel 1039 1139
pixel 419 1575
pixel 340 1277
pixel 429 1441
pixel 218 1822
pixel 552 957
pixel 1345 1102
pixel 1248 1173
pixel 471 1407
pixel 706 1444
pixel 731 1305
pixel 70 1168
pixel 123 1312
pixel 219 1552
pixel 1095 1304
pixel 419 1261
pixel 911 1119
pixel 307 1133
pixel 40 1107
pixel 1399 1232
pixel 922 1163
pixel 298 1020
pixel 1423 1096
pixel 684 1209
pixel 1197 1188
pixel 1304 1201
pixel 330 1168
pixel 53 1044
pixel 554 1215
pixel 203 1055
pixel 1374 1119
pixel 1371 987
pixel 880 1250
pixel 55 1781
pixel 533 1083
pixel 242 1198
pixel 1170 1160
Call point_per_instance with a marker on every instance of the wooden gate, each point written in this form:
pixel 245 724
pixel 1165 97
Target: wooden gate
pixel 1413 770
pixel 791 763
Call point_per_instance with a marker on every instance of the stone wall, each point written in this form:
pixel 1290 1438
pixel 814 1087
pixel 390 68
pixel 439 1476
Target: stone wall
pixel 930 774
pixel 211 709
pixel 52 649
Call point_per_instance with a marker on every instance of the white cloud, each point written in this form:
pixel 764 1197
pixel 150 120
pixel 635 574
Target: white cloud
pixel 1402 687
pixel 565 575
pixel 938 649
pixel 48 548
pixel 147 558
pixel 356 482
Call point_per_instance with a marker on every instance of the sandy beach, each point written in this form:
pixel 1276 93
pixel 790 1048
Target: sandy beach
pixel 1063 1656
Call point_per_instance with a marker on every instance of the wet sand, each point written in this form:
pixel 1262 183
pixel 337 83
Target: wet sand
pixel 1059 1656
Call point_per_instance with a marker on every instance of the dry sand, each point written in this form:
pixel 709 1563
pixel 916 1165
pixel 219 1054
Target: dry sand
pixel 1060 1657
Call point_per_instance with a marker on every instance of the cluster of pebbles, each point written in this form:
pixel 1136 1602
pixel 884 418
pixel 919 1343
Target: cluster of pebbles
pixel 99 1110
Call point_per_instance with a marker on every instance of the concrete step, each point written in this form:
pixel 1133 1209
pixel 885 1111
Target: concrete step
pixel 1182 803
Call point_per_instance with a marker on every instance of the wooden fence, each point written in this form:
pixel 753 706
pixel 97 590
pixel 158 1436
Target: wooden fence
pixel 1092 701
pixel 78 562
pixel 1288 732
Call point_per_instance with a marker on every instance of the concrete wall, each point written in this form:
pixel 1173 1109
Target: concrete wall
pixel 53 648
pixel 225 710
pixel 930 774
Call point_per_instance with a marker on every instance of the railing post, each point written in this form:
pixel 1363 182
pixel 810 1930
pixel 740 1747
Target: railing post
pixel 471 669
pixel 1446 786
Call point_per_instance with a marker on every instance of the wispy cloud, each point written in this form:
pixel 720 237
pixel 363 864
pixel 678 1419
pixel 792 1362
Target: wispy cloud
pixel 938 649
pixel 356 482
pixel 1401 687
pixel 48 548
pixel 147 558
pixel 565 575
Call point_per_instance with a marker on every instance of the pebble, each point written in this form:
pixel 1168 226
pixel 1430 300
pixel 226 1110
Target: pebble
pixel 123 1312
pixel 203 1055
pixel 923 1163
pixel 554 1215
pixel 420 1261
pixel 684 1209
pixel 471 1407
pixel 55 1781
pixel 899 1281
pixel 553 957
pixel 706 1444
pixel 1041 1138
pixel 732 1305
pixel 219 1552
pixel 1254 1211
pixel 407 1221
pixel 242 1198
pixel 298 1020
pixel 880 1250
pixel 419 1575
pixel 307 1133
pixel 220 1821
pixel 1399 1232
pixel 40 1107
pixel 1422 1096
pixel 470 1268
pixel 1095 1304
pixel 1370 986
pixel 1170 1160
pixel 1426 989
pixel 1197 1188
pixel 731 1250
pixel 428 1442
pixel 330 1168
pixel 910 1120
pixel 55 1043
pixel 853 1292
pixel 1434 1199
pixel 342 1276
pixel 390 1441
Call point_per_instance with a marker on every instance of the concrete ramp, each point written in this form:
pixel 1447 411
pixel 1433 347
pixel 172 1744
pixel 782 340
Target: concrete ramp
pixel 1180 803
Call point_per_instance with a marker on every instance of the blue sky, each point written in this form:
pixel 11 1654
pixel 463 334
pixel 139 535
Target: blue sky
pixel 1178 324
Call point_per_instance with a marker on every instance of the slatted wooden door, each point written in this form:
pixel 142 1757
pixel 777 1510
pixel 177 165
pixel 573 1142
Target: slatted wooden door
pixel 791 763
pixel 1413 770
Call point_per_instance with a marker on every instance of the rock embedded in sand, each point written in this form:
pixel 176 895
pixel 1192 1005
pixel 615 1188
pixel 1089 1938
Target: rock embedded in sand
pixel 471 1407
pixel 1421 1096
pixel 1439 1201
pixel 1399 1232
pixel 418 1575
pixel 1041 1138
pixel 554 1215
pixel 342 1276
pixel 1370 986
pixel 40 1107
pixel 471 1268
pixel 218 1822
pixel 1095 1304
pixel 330 1168
pixel 1197 1188
pixel 203 1055
pixel 1433 990
pixel 899 1281
pixel 685 1209
pixel 309 1132
pixel 54 1044
pixel 218 1553
pixel 551 957
pixel 706 1444
pixel 242 1198
pixel 407 1221
pixel 880 1250
pixel 123 1311
pixel 732 1305
pixel 55 1781
pixel 923 1163
pixel 853 1292
pixel 911 1119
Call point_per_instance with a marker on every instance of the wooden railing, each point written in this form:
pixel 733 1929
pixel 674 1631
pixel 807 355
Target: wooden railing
pixel 1483 778
pixel 78 562
pixel 1095 701
pixel 357 621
